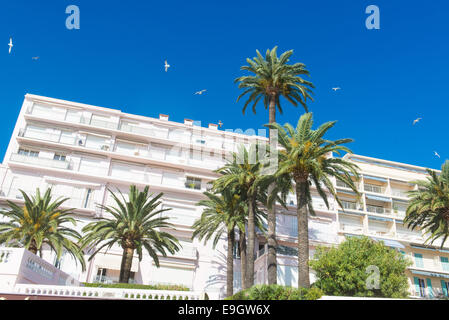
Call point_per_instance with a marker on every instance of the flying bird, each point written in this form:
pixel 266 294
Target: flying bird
pixel 10 45
pixel 337 88
pixel 220 123
pixel 166 66
pixel 200 92
pixel 436 154
pixel 416 121
pixel 35 58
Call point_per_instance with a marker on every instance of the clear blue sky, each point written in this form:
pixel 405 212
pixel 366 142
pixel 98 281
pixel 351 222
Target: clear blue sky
pixel 389 77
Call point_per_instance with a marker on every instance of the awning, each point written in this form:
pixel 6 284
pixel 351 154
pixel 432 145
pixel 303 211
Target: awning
pixel 347 192
pixel 390 243
pixel 375 178
pixel 423 248
pixel 430 274
pixel 380 219
pixel 114 262
pixel 371 197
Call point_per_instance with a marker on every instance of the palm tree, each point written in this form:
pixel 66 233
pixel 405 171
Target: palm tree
pixel 135 225
pixel 221 215
pixel 41 221
pixel 272 79
pixel 244 176
pixel 307 157
pixel 429 205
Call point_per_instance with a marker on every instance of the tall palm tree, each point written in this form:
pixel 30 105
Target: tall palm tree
pixel 222 213
pixel 39 221
pixel 244 176
pixel 135 225
pixel 307 158
pixel 429 205
pixel 272 79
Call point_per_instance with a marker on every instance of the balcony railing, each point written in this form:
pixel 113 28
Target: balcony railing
pixel 399 193
pixel 58 164
pixel 349 205
pixel 105 293
pixel 377 209
pixel 137 130
pixel 351 228
pixel 99 123
pixel 374 188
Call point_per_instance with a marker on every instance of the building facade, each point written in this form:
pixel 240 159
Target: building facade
pixel 83 151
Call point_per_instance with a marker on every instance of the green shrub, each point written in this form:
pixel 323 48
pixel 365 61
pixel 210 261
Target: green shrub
pixel 276 292
pixel 343 270
pixel 173 287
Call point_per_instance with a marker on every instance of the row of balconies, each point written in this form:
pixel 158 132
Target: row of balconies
pixel 385 231
pixel 395 211
pixel 174 155
pixel 378 189
pixel 175 135
pixel 189 183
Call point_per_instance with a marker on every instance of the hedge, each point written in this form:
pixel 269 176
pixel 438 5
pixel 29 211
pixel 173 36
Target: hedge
pixel 276 292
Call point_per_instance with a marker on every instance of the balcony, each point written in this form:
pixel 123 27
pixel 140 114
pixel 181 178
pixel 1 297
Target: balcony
pixel 377 209
pixel 57 164
pixel 99 123
pixel 374 188
pixel 399 193
pixel 138 130
pixel 348 205
pixel 186 252
pixel 351 228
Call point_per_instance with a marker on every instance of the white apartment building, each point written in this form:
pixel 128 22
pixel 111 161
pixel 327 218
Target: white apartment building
pixel 81 151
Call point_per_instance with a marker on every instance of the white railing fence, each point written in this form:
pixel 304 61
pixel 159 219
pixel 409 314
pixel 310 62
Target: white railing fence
pixel 105 293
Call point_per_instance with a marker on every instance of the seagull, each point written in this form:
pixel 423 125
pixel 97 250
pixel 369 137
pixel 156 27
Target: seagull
pixel 200 92
pixel 437 155
pixel 416 121
pixel 166 66
pixel 337 88
pixel 220 123
pixel 10 45
pixel 35 58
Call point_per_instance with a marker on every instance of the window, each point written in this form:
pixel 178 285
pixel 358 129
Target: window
pixel 193 183
pixel 287 251
pixel 101 275
pixel 419 260
pixel 422 288
pixel 59 157
pixel 28 153
pixel 445 287
pixel 236 250
pixel 445 263
pixel 87 198
pixel 349 205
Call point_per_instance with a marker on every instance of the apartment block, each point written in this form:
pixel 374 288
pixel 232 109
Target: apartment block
pixel 83 151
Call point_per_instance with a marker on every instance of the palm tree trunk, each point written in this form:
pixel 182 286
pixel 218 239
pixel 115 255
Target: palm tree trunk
pixel 230 264
pixel 303 234
pixel 271 218
pixel 33 247
pixel 242 246
pixel 251 244
pixel 125 268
